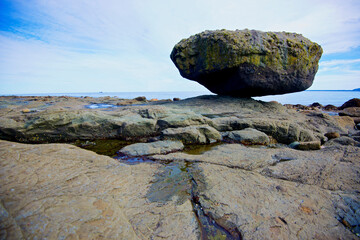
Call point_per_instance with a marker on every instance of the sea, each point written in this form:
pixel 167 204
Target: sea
pixel 324 97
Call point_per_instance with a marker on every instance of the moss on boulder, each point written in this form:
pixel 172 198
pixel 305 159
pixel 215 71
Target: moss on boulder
pixel 248 62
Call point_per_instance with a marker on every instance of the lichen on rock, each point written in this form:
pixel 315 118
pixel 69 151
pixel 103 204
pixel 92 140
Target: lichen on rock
pixel 248 62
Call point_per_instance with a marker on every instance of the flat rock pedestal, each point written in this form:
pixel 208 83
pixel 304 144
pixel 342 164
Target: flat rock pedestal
pixel 59 191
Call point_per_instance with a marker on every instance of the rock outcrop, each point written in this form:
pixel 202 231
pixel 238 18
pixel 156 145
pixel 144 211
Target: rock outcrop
pixel 159 147
pixel 247 62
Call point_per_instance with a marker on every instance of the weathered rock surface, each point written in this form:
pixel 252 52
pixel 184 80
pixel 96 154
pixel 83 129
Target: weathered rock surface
pixel 201 134
pixel 248 136
pixel 355 102
pixel 313 145
pixel 52 123
pixel 59 191
pixel 265 208
pixel 159 147
pixel 350 111
pixel 247 62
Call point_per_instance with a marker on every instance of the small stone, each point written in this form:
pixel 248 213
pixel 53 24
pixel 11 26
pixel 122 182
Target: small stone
pixel 313 145
pixel 294 145
pixel 26 110
pixel 331 135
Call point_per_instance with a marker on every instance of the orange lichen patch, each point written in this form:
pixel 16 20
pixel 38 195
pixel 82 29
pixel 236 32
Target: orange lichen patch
pixel 306 210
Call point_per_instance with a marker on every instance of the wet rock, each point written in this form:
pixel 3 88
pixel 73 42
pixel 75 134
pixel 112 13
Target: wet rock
pixel 331 135
pixel 347 209
pixel 159 147
pixel 249 136
pixel 192 135
pixel 230 155
pixel 248 63
pixel 294 145
pixel 313 145
pixel 355 102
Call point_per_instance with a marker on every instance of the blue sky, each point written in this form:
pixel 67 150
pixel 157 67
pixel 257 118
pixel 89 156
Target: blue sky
pixel 59 46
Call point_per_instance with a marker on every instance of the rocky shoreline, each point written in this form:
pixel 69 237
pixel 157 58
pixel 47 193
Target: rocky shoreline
pixel 265 171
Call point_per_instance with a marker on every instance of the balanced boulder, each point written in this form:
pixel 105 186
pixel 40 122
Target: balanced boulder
pixel 247 63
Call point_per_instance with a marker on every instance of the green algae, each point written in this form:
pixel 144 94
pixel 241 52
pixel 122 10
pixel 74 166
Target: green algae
pixel 173 182
pixel 108 147
pixel 200 149
pixel 222 49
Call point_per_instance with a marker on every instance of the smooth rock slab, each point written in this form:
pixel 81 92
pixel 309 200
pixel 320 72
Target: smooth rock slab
pixel 263 208
pixel 248 63
pixel 58 191
pixel 159 147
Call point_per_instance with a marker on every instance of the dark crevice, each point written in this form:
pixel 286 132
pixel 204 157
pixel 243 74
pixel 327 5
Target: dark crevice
pixel 209 227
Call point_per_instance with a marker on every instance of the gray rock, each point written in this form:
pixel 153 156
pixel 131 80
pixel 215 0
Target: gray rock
pixel 247 62
pixel 343 140
pixel 260 207
pixel 192 135
pixel 249 136
pixel 160 147
pixel 350 111
pixel 313 145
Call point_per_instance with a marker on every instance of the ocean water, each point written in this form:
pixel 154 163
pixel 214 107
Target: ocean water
pixel 324 97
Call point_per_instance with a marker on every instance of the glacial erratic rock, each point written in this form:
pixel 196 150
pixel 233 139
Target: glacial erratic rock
pixel 248 62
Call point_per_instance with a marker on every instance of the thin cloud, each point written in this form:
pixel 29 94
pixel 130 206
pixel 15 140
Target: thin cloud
pixel 125 45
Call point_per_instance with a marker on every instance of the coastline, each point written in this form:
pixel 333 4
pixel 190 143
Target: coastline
pixel 178 162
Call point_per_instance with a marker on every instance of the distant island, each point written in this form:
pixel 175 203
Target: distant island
pixel 356 89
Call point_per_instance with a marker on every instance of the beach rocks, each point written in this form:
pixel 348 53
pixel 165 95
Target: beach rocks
pixel 159 147
pixel 249 136
pixel 350 111
pixel 331 135
pixel 355 102
pixel 313 145
pixel 248 63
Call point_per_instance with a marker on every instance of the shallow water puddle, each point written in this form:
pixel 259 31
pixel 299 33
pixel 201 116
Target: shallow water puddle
pixel 173 182
pixel 200 149
pixel 108 147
